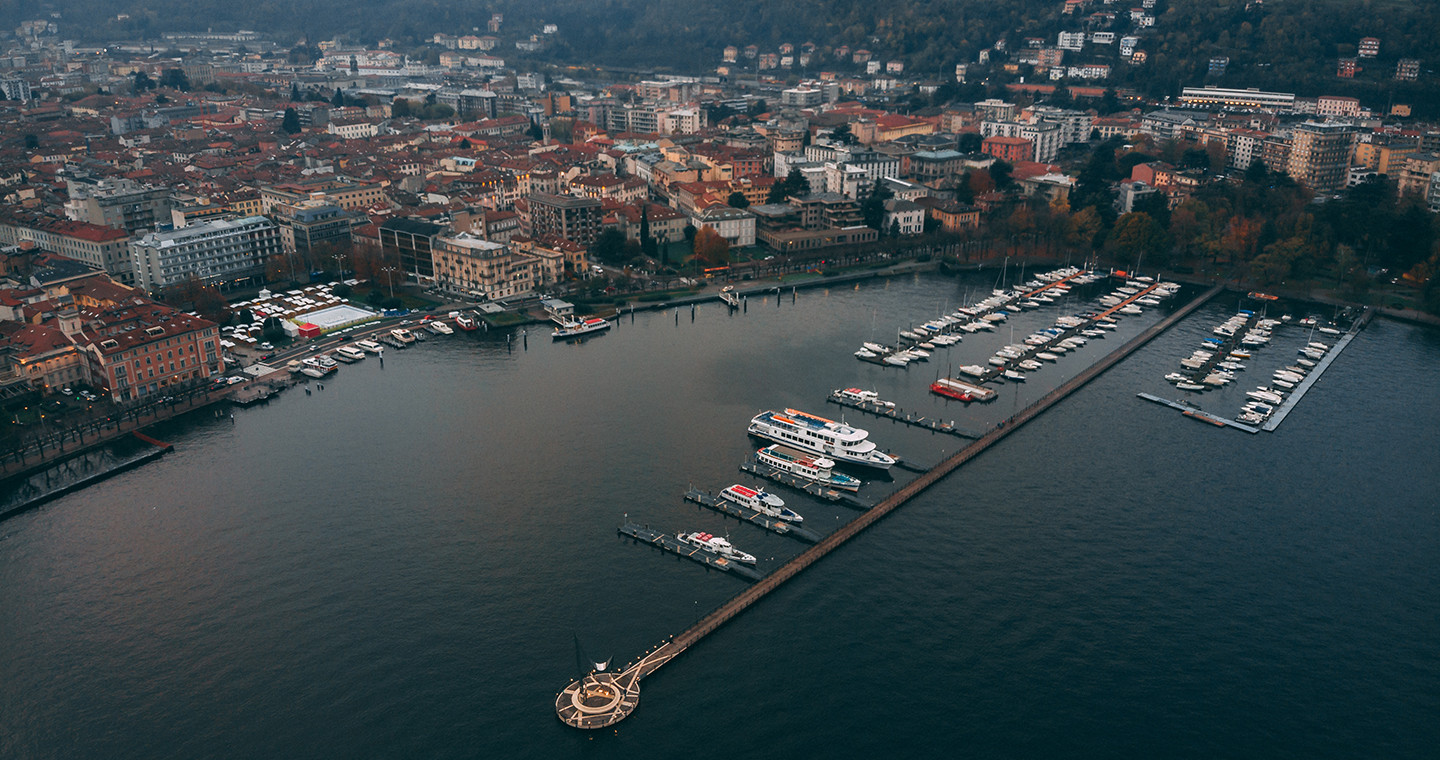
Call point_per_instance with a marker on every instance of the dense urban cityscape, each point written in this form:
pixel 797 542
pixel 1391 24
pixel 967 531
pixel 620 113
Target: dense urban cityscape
pixel 195 221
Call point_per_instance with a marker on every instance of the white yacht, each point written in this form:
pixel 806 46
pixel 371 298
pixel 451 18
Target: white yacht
pixel 439 328
pixel 808 466
pixel 712 543
pixel 355 353
pixel 369 346
pixel 828 438
pixel 761 501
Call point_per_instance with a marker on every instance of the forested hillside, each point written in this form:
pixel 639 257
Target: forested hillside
pixel 1283 44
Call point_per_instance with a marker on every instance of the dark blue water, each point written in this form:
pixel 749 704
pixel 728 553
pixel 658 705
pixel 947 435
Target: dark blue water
pixel 395 566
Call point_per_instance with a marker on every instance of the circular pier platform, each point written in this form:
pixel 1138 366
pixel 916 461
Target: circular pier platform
pixel 598 700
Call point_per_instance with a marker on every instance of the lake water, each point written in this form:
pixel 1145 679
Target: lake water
pixel 396 565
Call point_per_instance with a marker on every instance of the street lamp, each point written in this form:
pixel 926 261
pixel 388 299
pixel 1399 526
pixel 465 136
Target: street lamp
pixel 390 278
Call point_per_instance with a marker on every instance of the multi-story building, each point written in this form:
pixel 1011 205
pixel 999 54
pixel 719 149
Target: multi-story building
pixel 104 248
pixel 1407 69
pixel 735 225
pixel 1369 47
pixel 137 347
pixel 1219 96
pixel 468 265
pixel 801 97
pixel 1320 155
pixel 1334 105
pixel 1419 170
pixel 568 217
pixel 120 203
pixel 1075 126
pixel 1385 153
pixel 339 191
pixel 1045 135
pixel 411 242
pixel 225 253
pixel 314 228
pixel 1008 149
pixel 16 89
pixel 1346 68
pixel 1243 147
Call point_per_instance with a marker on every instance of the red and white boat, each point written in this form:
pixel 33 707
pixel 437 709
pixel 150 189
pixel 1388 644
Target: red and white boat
pixel 761 501
pixel 465 323
pixel 960 390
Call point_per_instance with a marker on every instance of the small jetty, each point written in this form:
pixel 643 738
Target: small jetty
pixel 673 545
pixel 79 471
pixel 1195 412
pixel 772 524
pixel 890 411
pixel 730 297
pixel 754 467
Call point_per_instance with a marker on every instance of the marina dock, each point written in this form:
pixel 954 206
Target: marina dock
pixel 673 545
pixel 808 486
pixel 772 524
pixel 900 415
pixel 603 699
pixel 1310 378
pixel 1190 410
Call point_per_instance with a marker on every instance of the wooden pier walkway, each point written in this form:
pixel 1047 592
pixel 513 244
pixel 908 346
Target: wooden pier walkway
pixel 808 486
pixel 899 415
pixel 772 524
pixel 571 704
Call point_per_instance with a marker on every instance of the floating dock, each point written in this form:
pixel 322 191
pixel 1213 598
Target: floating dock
pixel 673 545
pixel 900 415
pixel 772 524
pixel 1195 412
pixel 808 486
pixel 1314 374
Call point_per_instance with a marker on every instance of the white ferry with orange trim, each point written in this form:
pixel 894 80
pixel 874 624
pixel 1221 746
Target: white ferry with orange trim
pixel 808 432
pixel 761 501
pixel 580 327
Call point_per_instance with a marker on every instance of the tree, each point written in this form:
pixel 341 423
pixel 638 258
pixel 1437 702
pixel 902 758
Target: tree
pixel 690 232
pixel 31 142
pixel 647 243
pixel 1135 235
pixel 1000 172
pixel 737 199
pixel 175 79
pixel 338 99
pixel 290 124
pixel 143 82
pixel 609 246
pixel 970 142
pixel 842 134
pixel 400 108
pixel 294 93
pixel 873 209
pixel 711 248
pixel 1083 229
pixel 272 329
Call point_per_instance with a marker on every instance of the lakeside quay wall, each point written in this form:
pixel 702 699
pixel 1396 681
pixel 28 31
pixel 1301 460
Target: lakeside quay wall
pixel 742 601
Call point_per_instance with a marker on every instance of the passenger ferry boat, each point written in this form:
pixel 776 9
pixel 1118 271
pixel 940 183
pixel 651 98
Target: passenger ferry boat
pixel 808 432
pixel 963 391
pixel 465 323
pixel 712 543
pixel 761 501
pixel 801 464
pixel 581 327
